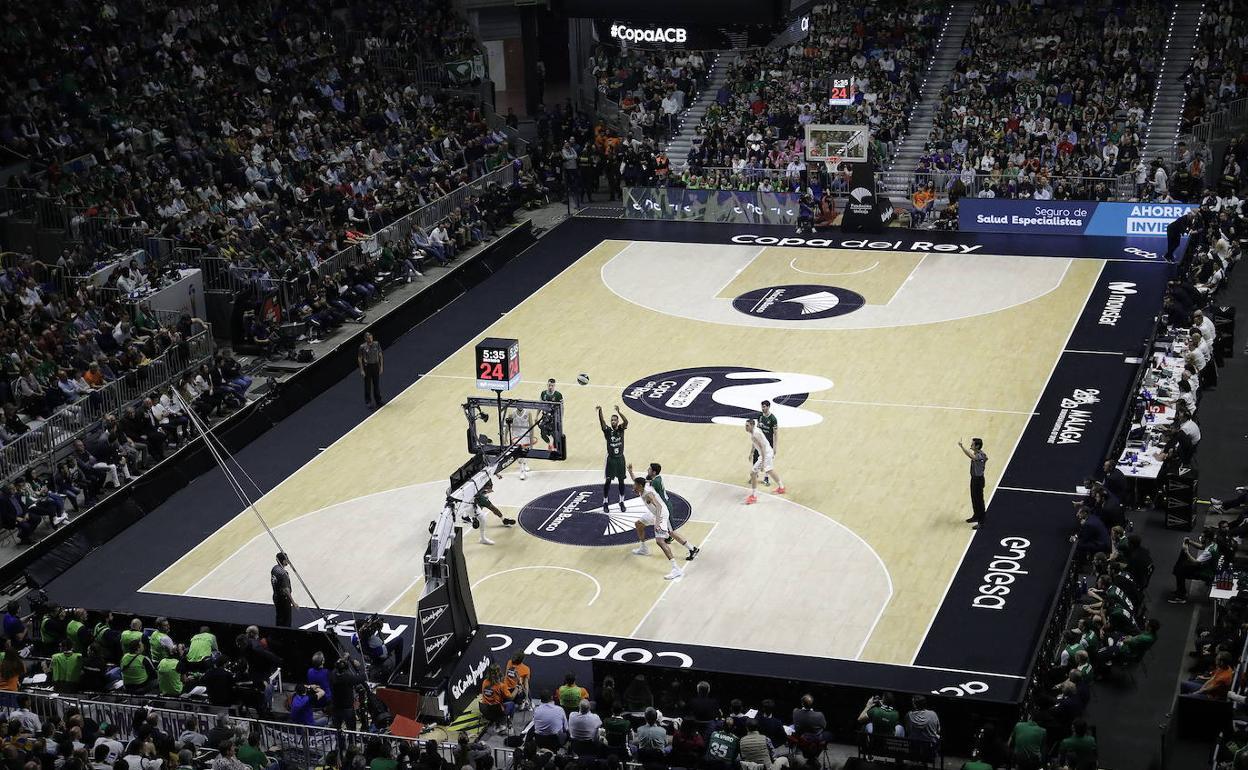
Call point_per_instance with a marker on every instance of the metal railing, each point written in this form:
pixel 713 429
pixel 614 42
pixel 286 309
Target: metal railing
pixel 395 59
pixel 783 180
pixel 35 206
pixel 72 421
pixel 1213 126
pixel 302 746
pixel 1114 188
pixel 358 253
pixel 222 274
pixel 225 275
pixel 1221 123
pixel 520 145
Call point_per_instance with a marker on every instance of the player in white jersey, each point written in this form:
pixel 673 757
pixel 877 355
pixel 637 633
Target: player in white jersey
pixel 656 515
pixel 521 432
pixel 765 462
pixel 654 482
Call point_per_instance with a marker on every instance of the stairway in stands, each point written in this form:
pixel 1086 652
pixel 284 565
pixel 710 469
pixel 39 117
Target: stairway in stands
pixel 1169 98
pixel 678 146
pixel 899 169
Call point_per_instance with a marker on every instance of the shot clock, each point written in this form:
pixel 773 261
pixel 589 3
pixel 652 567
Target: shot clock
pixel 498 363
pixel 841 91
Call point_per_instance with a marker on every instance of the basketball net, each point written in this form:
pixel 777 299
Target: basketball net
pixel 833 163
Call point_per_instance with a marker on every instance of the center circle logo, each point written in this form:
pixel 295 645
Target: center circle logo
pixel 573 516
pixel 798 302
pixel 725 394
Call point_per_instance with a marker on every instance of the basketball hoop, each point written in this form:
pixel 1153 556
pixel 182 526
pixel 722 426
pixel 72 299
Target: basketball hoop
pixel 836 146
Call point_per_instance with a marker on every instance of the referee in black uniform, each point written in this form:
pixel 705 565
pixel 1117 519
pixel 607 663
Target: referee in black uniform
pixel 283 601
pixel 371 365
pixel 978 461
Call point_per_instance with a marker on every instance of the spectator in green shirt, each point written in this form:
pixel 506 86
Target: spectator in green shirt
pixel 879 717
pixel 721 748
pixel 378 755
pixel 1027 745
pixel 1079 750
pixel 1132 649
pixel 251 755
pixel 617 729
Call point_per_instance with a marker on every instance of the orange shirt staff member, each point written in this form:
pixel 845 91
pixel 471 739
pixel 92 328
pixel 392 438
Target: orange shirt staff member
pixel 1217 685
pixel 924 200
pixel 492 694
pixel 516 680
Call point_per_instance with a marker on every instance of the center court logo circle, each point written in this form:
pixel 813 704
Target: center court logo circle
pixel 725 395
pixel 573 516
pixel 798 302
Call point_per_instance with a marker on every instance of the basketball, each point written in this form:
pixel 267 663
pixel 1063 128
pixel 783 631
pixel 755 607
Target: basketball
pixel 582 379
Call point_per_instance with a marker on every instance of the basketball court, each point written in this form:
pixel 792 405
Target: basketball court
pixel 879 355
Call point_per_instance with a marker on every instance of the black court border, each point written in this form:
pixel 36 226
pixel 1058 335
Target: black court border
pixel 960 646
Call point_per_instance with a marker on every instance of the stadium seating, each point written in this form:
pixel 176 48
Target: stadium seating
pixel 650 87
pixel 253 140
pixel 1044 97
pixel 773 92
pixel 1219 71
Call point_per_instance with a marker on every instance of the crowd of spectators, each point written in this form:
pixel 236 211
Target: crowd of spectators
pixel 687 725
pixel 243 129
pixel 428 29
pixel 651 88
pixel 58 354
pixel 67 651
pixel 758 117
pixel 751 137
pixel 324 296
pixel 59 346
pixel 1046 102
pixel 70 355
pixel 1045 93
pixel 1219 71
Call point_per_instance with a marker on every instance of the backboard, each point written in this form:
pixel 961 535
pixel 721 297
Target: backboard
pixel 847 143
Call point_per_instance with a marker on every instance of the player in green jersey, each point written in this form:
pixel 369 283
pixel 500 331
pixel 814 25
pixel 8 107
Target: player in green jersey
pixel 615 469
pixel 550 394
pixel 770 426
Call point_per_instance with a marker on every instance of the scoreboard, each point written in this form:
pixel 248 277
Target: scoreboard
pixel 841 91
pixel 498 363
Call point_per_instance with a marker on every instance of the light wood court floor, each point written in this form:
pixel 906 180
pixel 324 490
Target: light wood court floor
pixel 853 562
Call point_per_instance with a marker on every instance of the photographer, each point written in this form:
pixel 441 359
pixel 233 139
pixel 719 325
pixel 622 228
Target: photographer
pixel 381 656
pixel 306 699
pixel 806 213
pixel 879 717
pixel 342 699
